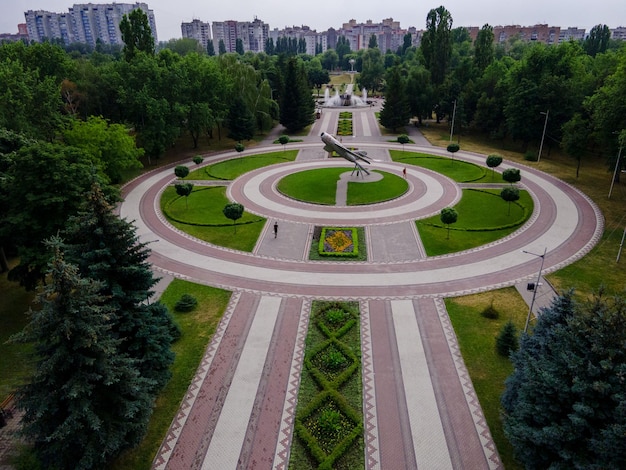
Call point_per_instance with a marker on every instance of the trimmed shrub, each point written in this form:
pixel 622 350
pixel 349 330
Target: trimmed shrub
pixel 197 159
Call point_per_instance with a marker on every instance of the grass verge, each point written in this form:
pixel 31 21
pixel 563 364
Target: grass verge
pixel 235 167
pixel 197 327
pixel 488 370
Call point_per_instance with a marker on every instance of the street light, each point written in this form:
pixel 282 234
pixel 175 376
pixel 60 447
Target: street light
pixel 619 154
pixel 545 124
pixel 532 302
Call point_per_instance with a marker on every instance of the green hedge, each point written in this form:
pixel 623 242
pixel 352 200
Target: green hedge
pixel 355 243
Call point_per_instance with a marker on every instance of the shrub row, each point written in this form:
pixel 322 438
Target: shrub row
pixel 355 243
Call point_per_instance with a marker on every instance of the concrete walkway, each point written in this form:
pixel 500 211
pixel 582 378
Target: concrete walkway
pixel 420 409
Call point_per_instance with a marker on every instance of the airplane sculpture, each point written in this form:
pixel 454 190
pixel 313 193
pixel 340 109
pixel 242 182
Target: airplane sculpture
pixel 333 145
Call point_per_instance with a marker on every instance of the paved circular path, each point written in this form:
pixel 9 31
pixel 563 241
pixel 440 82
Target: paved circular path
pixel 419 406
pixel 565 222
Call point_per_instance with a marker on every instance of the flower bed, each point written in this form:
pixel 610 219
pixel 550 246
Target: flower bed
pixel 329 421
pixel 342 242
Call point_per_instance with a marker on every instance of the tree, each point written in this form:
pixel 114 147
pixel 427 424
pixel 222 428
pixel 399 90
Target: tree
pixel 493 161
pixel 448 216
pixel 483 48
pixel 210 48
pixel 372 70
pixel 318 77
pixel 453 148
pixel 420 92
pixel 221 47
pixel 283 140
pixel 564 402
pixel 330 59
pixel 373 42
pixel 510 194
pixel 598 40
pixel 437 43
pixel 184 190
pixel 107 248
pixel 576 133
pixel 241 122
pixel 403 139
pixel 395 112
pixel 507 341
pixel 136 34
pixel 239 46
pixel 342 48
pixel 233 211
pixel 297 104
pixel 239 147
pixel 511 175
pixel 181 171
pixel 86 400
pixel 42 185
pixel 111 146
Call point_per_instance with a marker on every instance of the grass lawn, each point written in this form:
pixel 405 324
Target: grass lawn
pixel 231 169
pixel 319 186
pixel 483 218
pixel 476 335
pixel 457 170
pixel 197 328
pixel 205 208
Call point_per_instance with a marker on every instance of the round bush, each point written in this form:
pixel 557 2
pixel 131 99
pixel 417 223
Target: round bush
pixel 186 303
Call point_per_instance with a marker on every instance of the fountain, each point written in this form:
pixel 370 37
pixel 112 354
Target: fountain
pixel 346 99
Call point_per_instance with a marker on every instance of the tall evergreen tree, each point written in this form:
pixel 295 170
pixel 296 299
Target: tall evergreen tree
pixel 210 48
pixel 483 48
pixel 86 400
pixel 106 248
pixel 396 112
pixel 241 122
pixel 565 403
pixel 297 104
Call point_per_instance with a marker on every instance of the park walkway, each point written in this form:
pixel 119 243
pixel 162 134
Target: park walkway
pixel 419 406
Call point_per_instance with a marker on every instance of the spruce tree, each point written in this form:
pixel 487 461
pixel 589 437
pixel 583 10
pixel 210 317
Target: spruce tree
pixel 564 405
pixel 106 248
pixel 396 112
pixel 297 105
pixel 241 122
pixel 86 400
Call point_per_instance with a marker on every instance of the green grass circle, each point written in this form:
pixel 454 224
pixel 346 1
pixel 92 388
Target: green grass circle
pixel 319 186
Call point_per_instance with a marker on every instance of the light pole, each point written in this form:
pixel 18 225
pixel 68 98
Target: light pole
pixel 619 154
pixel 453 116
pixel 545 124
pixel 532 302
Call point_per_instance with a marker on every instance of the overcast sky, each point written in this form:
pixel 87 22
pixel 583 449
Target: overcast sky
pixel 323 14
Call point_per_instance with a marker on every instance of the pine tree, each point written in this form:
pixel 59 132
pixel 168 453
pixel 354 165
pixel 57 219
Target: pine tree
pixel 297 104
pixel 565 403
pixel 241 122
pixel 395 113
pixel 106 248
pixel 86 400
pixel 507 341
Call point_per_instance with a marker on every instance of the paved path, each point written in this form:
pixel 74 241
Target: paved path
pixel 420 409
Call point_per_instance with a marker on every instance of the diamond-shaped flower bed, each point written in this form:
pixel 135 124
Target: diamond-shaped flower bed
pixel 329 422
pixel 342 242
pixel 330 426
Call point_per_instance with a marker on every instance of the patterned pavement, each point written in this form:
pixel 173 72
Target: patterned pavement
pixel 420 409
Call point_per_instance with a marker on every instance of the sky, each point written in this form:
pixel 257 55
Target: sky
pixel 323 14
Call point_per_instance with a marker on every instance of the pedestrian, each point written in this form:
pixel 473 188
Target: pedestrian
pixel 275 229
pixel 404 172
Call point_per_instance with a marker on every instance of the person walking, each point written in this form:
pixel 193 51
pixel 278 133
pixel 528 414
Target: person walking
pixel 404 172
pixel 275 229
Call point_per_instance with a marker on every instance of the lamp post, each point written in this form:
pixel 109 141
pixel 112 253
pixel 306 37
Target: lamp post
pixel 545 124
pixel 453 116
pixel 619 154
pixel 532 302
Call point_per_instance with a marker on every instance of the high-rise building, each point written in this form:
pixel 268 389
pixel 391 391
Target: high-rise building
pixel 86 23
pixel 197 30
pixel 252 35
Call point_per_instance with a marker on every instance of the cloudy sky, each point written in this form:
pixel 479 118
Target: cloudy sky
pixel 323 14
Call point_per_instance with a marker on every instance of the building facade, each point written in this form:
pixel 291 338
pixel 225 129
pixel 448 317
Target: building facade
pixel 86 23
pixel 198 30
pixel 252 34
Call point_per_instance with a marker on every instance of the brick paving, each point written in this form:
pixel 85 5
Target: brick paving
pixel 419 405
